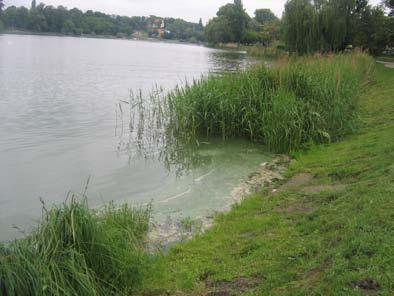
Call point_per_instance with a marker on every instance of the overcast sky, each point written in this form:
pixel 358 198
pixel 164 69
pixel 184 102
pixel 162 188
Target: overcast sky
pixel 190 10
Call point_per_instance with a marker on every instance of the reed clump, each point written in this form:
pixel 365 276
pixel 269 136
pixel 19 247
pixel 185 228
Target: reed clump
pixel 295 102
pixel 77 251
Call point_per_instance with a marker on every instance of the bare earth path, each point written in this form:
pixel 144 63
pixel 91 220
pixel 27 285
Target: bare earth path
pixel 387 64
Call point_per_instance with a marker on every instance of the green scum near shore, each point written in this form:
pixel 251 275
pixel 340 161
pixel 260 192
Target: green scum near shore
pixel 331 234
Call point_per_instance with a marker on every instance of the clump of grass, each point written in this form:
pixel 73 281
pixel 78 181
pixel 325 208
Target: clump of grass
pixel 300 101
pixel 77 251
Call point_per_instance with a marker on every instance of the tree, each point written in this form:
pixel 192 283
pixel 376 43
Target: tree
pixel 390 5
pixel 1 6
pixel 37 19
pixel 9 17
pixel 389 29
pixel 264 16
pixel 371 33
pixel 200 24
pixel 332 25
pixel 33 4
pixel 240 20
pixel 22 18
pixel 68 27
pixel 218 31
pixel 271 31
pixel 299 22
pixel 269 26
pixel 229 25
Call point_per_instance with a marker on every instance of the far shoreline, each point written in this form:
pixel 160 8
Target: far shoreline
pixel 95 36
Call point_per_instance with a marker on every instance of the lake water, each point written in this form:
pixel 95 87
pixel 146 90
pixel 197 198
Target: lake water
pixel 58 120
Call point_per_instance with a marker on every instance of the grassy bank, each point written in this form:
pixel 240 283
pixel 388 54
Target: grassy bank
pixel 294 103
pixel 329 233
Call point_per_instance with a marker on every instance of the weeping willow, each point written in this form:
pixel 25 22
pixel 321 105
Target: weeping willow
pixel 320 25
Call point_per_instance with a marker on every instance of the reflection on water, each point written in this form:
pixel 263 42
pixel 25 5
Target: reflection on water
pixel 230 60
pixel 58 103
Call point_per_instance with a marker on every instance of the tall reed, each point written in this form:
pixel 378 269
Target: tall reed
pixel 297 101
pixel 77 251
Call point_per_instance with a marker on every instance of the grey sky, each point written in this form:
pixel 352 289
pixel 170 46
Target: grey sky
pixel 190 10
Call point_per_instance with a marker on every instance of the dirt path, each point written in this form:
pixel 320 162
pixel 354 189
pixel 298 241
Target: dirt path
pixel 387 64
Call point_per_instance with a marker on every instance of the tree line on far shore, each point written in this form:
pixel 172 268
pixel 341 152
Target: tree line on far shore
pixel 43 18
pixel 306 26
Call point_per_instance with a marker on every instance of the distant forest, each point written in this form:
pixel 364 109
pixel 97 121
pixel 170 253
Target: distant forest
pixel 306 26
pixel 49 19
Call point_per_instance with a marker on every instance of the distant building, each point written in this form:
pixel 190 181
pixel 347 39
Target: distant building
pixel 155 26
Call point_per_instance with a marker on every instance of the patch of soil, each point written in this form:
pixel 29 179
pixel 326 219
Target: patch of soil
pixel 387 64
pixel 235 286
pixel 305 207
pixel 367 285
pixel 313 276
pixel 297 180
pixel 322 188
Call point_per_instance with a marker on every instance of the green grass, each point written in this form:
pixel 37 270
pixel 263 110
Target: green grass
pixel 295 103
pixel 295 243
pixel 77 251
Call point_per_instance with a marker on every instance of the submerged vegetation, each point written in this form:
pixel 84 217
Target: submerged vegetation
pixel 77 251
pixel 294 103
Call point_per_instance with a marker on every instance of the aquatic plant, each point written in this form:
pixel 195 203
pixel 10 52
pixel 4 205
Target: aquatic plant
pixel 77 251
pixel 297 101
